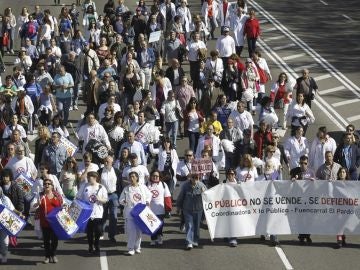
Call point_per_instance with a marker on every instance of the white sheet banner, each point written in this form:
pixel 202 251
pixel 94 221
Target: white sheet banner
pixel 283 207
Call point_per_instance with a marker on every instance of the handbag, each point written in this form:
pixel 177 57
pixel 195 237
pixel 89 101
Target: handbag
pixel 262 74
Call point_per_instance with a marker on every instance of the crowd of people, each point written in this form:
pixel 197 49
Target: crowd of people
pixel 132 97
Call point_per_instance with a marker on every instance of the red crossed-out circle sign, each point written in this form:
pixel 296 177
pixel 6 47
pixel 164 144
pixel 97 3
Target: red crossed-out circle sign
pixel 137 197
pixel 155 193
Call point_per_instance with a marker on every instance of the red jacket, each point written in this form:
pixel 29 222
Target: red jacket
pixel 262 140
pixel 252 28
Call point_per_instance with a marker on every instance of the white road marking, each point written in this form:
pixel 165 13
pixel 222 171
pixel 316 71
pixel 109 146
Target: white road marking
pixel 317 57
pixel 283 258
pixel 347 17
pixel 322 77
pixel 274 38
pixel 269 30
pixel 263 21
pixel 326 108
pixel 297 69
pixel 293 56
pixel 324 3
pixel 353 118
pixel 345 102
pixel 284 46
pixel 331 90
pixel 103 261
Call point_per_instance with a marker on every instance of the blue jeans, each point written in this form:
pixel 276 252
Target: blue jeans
pixel 192 226
pixel 63 106
pixel 193 140
pixel 110 212
pixel 171 131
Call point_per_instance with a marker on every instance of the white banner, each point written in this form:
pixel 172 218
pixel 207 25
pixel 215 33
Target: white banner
pixel 283 207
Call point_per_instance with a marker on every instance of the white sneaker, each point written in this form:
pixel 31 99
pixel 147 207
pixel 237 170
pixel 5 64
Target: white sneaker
pixel 189 246
pixel 160 240
pixel 152 243
pixel 131 252
pixel 101 237
pixel 138 250
pixel 195 244
pixel 71 108
pixel 76 108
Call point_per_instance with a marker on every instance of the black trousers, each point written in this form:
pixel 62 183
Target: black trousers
pixel 50 242
pixel 93 232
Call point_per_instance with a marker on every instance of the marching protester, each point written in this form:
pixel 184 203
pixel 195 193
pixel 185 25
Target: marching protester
pixel 126 89
pixel 131 195
pixel 96 194
pixel 190 203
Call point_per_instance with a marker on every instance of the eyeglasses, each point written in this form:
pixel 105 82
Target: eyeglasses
pixel 349 130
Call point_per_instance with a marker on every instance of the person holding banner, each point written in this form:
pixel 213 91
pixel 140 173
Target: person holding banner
pixel 4 238
pixel 190 202
pixel 48 200
pixel 132 195
pixel 303 172
pixel 96 194
pixel 342 175
pixel 160 203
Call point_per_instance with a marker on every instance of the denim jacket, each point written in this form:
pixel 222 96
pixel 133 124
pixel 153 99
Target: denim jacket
pixel 190 198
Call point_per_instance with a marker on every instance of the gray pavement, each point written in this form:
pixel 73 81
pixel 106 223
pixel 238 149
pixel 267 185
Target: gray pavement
pixel 251 253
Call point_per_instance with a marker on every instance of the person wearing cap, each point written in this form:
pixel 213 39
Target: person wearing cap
pixel 225 45
pixel 141 170
pixel 237 25
pixel 24 108
pixel 190 202
pixel 96 194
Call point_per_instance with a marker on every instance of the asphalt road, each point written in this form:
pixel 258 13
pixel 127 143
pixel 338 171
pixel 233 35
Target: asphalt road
pixel 251 253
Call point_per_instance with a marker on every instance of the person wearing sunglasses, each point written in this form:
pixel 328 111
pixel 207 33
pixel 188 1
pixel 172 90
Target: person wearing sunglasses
pixel 48 200
pixel 303 172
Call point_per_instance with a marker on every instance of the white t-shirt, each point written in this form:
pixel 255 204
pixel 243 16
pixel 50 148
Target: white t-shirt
pixel 159 191
pixel 194 125
pixel 132 195
pixel 246 174
pixel 88 193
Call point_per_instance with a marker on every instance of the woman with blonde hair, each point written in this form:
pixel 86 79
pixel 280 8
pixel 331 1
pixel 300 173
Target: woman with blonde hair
pixel 41 143
pixel 246 171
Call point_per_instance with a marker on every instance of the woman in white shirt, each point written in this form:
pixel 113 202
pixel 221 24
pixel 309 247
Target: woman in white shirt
pixel 45 34
pixel 96 194
pixel 246 172
pixel 132 195
pixel 299 114
pixel 295 147
pixel 160 203
pixel 185 15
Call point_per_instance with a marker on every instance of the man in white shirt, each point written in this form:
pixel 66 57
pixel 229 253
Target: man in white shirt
pixel 92 130
pixel 22 164
pixel 134 147
pixel 110 178
pixel 169 110
pixel 110 103
pixel 225 45
pixel 242 119
pixel 193 56
pixel 141 170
